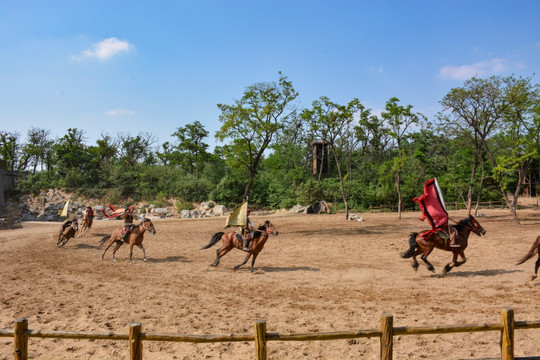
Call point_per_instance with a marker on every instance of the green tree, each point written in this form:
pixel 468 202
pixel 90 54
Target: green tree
pixel 38 148
pixel 400 119
pixel 253 122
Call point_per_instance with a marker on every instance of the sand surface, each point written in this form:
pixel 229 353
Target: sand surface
pixel 321 274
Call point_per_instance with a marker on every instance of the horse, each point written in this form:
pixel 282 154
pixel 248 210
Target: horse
pixel 68 233
pixel 230 241
pixel 135 237
pixel 535 249
pixel 86 223
pixel 420 245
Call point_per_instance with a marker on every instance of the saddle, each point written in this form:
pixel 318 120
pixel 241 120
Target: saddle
pixel 239 237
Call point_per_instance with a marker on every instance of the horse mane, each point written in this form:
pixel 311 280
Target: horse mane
pixel 462 223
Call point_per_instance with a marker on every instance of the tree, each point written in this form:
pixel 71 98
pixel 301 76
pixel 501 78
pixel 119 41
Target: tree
pixel 37 148
pixel 133 149
pixel 331 122
pixel 253 122
pixel 9 150
pixel 399 119
pixel 520 140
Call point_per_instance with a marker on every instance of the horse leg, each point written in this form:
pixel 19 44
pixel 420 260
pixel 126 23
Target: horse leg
pixel 131 253
pixel 536 266
pixel 253 262
pixel 425 260
pixel 109 243
pixel 118 244
pixel 415 264
pixel 454 262
pixel 143 251
pixel 245 261
pixel 220 253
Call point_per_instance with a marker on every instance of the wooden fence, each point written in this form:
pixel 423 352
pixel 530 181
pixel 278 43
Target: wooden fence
pixel 385 333
pixel 455 205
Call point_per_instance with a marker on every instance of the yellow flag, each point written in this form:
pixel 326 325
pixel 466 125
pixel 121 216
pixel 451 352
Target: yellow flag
pixel 64 212
pixel 238 216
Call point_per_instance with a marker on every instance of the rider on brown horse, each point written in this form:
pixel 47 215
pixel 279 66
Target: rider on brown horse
pixel 69 219
pixel 248 231
pixel 90 213
pixel 128 217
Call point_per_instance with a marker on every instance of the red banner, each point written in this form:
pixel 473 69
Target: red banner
pixel 432 205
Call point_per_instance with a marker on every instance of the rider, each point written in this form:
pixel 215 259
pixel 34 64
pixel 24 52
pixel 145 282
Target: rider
pixel 128 217
pixel 453 235
pixel 248 231
pixel 72 215
pixel 90 213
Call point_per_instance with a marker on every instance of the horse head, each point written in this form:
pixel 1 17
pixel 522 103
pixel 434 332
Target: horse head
pixel 474 225
pixel 75 225
pixel 270 228
pixel 149 225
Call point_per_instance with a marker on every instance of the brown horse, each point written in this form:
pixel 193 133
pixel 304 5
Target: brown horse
pixel 68 233
pixel 420 245
pixel 230 241
pixel 135 237
pixel 86 223
pixel 535 249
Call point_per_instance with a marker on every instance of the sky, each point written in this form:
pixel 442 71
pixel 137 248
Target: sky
pixel 110 67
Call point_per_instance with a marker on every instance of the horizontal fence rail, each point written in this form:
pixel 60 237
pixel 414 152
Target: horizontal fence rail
pixel 385 333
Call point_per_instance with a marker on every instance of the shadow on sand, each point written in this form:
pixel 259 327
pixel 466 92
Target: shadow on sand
pixel 493 272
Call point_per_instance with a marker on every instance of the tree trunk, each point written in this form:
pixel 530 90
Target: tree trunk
pixel 342 185
pixel 398 180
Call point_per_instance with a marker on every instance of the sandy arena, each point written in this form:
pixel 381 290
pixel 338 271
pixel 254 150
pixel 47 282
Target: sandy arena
pixel 321 274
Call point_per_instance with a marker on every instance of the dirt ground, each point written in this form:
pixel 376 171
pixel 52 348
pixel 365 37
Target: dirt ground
pixel 321 274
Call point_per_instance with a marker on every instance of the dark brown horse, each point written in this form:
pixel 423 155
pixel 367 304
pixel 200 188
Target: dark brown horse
pixel 68 233
pixel 135 237
pixel 230 241
pixel 420 245
pixel 535 249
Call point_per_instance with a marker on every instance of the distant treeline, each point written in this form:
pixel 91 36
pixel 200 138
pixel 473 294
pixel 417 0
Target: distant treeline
pixel 483 144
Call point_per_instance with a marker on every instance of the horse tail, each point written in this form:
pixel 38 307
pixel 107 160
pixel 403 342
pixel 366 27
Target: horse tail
pixel 532 252
pixel 102 241
pixel 412 246
pixel 215 238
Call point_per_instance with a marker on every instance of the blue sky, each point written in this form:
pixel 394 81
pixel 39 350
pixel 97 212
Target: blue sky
pixel 152 66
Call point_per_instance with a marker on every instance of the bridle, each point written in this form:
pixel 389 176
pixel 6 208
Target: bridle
pixel 146 225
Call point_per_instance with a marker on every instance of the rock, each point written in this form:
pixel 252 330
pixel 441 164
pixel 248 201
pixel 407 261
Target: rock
pixel 298 209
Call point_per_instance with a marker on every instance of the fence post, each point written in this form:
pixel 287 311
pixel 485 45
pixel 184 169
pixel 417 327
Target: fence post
pixel 21 340
pixel 260 340
pixel 507 334
pixel 387 336
pixel 135 343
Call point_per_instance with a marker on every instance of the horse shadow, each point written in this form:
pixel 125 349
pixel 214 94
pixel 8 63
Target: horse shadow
pixel 292 268
pixel 168 259
pixel 493 272
pixel 86 246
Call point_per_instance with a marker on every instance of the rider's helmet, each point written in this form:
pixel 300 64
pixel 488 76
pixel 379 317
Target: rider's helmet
pixel 131 208
pixel 248 211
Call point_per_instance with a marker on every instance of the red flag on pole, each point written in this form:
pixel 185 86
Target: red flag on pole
pixel 432 206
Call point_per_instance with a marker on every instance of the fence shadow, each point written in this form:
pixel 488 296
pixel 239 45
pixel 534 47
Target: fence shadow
pixel 493 272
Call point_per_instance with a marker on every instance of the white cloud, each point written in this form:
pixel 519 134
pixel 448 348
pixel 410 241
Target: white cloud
pixel 465 72
pixel 104 49
pixel 378 70
pixel 119 112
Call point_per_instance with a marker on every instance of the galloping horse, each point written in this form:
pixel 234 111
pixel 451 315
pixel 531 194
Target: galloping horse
pixel 535 249
pixel 420 245
pixel 230 241
pixel 86 223
pixel 68 233
pixel 135 237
